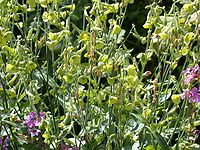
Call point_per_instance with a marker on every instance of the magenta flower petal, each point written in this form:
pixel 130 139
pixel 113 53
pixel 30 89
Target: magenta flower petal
pixel 195 69
pixel 190 74
pixel 34 132
pixel 42 114
pixel 187 71
pixel 193 95
pixel 32 122
pixel 196 132
pixel 7 139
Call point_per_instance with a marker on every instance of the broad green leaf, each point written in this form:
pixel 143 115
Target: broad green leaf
pixel 3 1
pixel 146 113
pixel 51 36
pixel 188 8
pixel 46 136
pixel 184 51
pixel 31 3
pixel 71 106
pixel 131 69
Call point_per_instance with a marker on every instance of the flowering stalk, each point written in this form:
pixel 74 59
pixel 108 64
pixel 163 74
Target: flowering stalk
pixel 192 94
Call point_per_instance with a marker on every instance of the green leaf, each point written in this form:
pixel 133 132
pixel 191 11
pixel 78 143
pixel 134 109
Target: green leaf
pixel 2 1
pixel 13 79
pixel 42 76
pixel 52 44
pixel 11 50
pixel 116 29
pixel 197 123
pixel 147 26
pixel 36 99
pixel 45 16
pixel 110 80
pixel 75 59
pixel 21 97
pixel 82 79
pixel 113 100
pixel 11 92
pixel 161 141
pixel 84 36
pixel 188 37
pixel 30 66
pixel 143 58
pixel 68 78
pixel 9 67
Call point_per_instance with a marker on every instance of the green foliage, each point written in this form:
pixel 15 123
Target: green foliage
pixel 70 59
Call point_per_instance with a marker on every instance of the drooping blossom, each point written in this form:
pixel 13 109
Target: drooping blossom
pixel 191 73
pixel 193 94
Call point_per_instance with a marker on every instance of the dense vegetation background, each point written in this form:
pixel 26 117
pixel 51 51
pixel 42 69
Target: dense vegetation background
pixel 106 75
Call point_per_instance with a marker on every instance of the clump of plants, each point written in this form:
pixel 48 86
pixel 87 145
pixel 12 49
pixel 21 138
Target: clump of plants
pixel 69 81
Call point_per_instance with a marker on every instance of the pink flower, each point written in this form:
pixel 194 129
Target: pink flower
pixel 32 122
pixel 191 73
pixel 4 143
pixel 196 132
pixel 63 146
pixel 34 132
pixel 67 147
pixel 193 95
